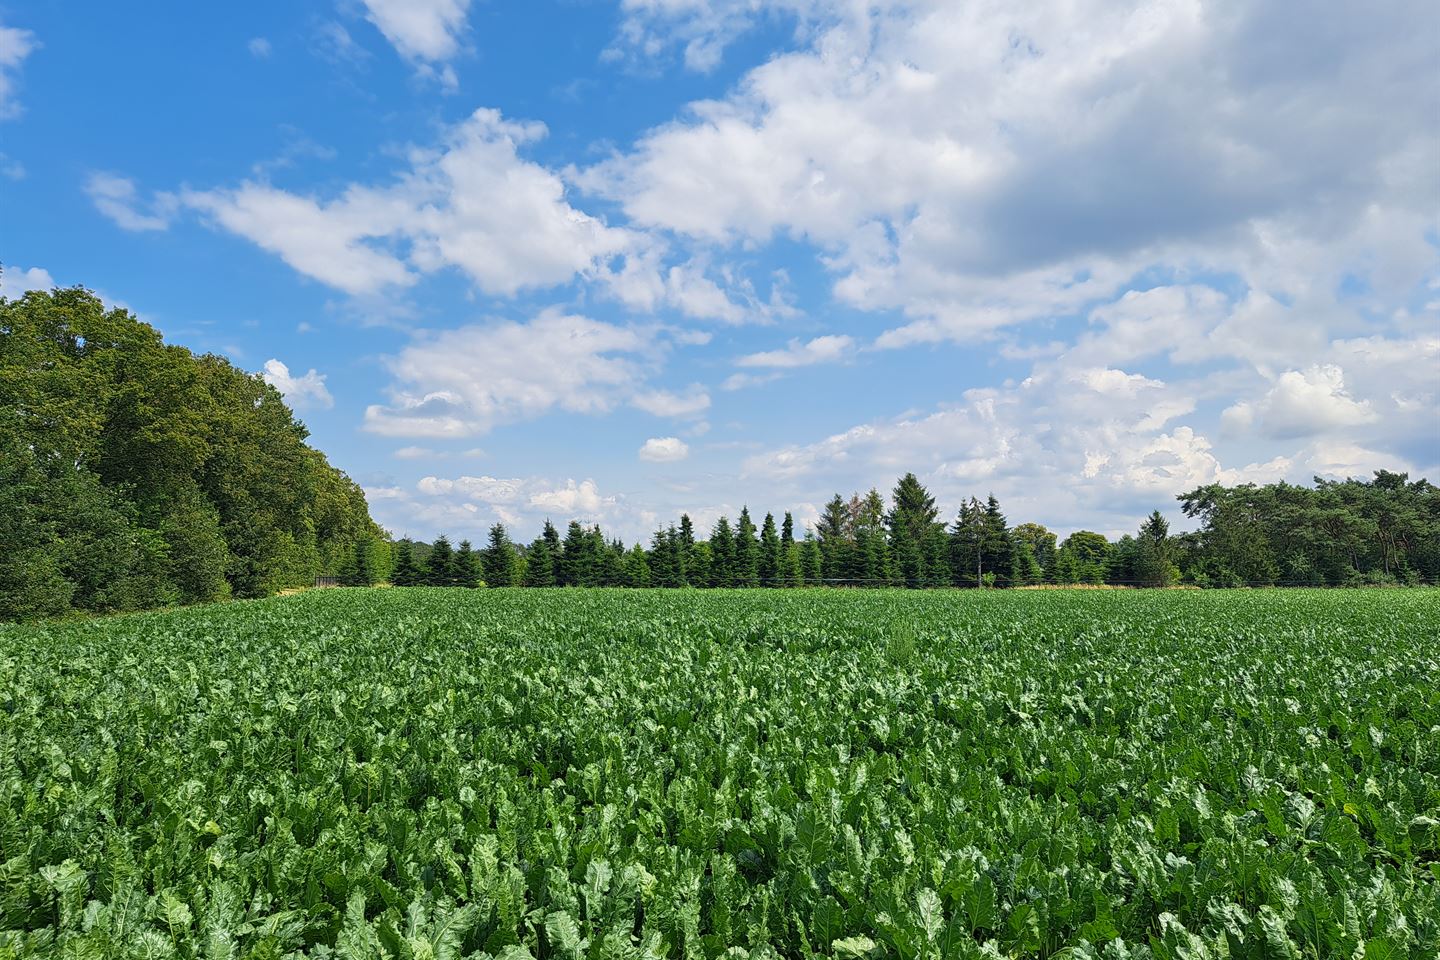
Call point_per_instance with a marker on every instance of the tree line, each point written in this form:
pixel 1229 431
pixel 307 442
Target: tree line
pixel 1350 533
pixel 135 474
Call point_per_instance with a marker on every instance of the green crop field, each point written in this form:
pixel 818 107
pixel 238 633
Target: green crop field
pixel 609 774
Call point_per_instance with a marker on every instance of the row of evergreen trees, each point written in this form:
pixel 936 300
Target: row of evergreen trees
pixel 869 541
pixel 1356 532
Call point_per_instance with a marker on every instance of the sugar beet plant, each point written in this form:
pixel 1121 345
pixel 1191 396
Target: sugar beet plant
pixel 436 774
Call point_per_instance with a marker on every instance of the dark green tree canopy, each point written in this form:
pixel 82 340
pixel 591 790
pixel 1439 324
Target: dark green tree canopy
pixel 137 473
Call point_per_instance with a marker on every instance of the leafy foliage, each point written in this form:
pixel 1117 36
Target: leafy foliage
pixel 623 774
pixel 135 474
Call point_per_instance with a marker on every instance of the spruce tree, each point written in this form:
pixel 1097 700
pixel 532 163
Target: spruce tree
pixel 966 541
pixel 539 564
pixel 365 562
pixel 404 573
pixel 834 540
pixel 572 569
pixel 439 565
pixel 769 553
pixel 747 552
pixel 499 564
pixel 636 568
pixel 995 543
pixel 811 561
pixel 694 568
pixel 722 555
pixel 789 553
pixel 465 567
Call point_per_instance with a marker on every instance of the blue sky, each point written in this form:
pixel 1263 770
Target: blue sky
pixel 511 261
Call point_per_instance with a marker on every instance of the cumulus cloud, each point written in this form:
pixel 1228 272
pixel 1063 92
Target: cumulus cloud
pixel 471 203
pixel 15 45
pixel 466 381
pixel 15 281
pixel 826 349
pixel 422 31
pixel 664 450
pixel 119 199
pixel 981 165
pixel 665 403
pixel 1302 403
pixel 466 505
pixel 306 391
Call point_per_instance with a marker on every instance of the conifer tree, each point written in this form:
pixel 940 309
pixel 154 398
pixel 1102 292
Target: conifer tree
pixel 747 552
pixel 722 555
pixel 694 567
pixel 811 562
pixel 499 563
pixel 966 540
pixel 789 554
pixel 439 566
pixel 769 553
pixel 539 564
pixel 576 567
pixel 405 573
pixel 636 568
pixel 834 540
pixel 364 562
pixel 465 567
pixel 996 542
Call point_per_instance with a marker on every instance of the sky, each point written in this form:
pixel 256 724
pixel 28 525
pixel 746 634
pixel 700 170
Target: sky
pixel 613 262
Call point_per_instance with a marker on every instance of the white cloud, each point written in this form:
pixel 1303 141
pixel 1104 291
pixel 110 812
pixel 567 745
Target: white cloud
pixel 259 48
pixel 743 381
pixel 1301 404
pixel 333 43
pixel 302 392
pixel 702 29
pixel 414 453
pixel 664 450
pixel 15 45
pixel 117 198
pixel 665 403
pixel 471 203
pixel 420 29
pixel 981 165
pixel 15 281
pixel 465 381
pixel 826 349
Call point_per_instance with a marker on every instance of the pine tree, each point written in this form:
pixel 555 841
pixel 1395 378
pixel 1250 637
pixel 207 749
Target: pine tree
pixel 365 575
pixel 575 568
pixel 405 573
pixel 664 560
pixel 789 553
pixel 539 564
pixel 811 560
pixel 694 569
pixel 966 557
pixel 465 568
pixel 912 521
pixel 722 555
pixel 609 561
pixel 636 568
pixel 995 544
pixel 347 573
pixel 834 540
pixel 871 562
pixel 499 563
pixel 439 566
pixel 769 553
pixel 1152 566
pixel 747 552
